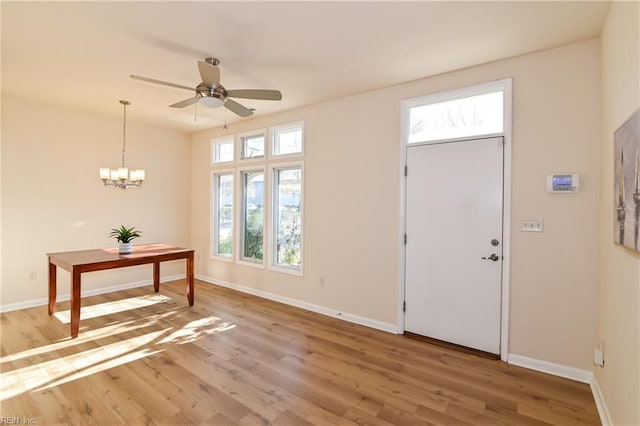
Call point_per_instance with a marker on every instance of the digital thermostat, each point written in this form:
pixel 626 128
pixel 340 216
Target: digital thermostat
pixel 563 183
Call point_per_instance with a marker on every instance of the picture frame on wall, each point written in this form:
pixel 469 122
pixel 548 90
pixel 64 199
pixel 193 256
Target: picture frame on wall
pixel 626 183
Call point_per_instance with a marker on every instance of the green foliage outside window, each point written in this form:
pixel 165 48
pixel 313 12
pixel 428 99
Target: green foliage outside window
pixel 225 246
pixel 253 235
pixel 225 234
pixel 289 237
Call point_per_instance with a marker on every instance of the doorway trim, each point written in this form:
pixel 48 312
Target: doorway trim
pixel 506 86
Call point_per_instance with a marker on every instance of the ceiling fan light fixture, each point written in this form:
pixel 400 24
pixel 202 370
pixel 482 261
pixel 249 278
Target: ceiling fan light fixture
pixel 211 101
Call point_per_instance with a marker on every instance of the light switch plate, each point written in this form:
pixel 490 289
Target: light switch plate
pixel 532 225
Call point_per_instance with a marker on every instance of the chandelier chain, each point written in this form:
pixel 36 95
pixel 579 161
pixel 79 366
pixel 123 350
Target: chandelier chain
pixel 124 130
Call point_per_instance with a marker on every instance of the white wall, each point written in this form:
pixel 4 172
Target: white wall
pixel 52 199
pixel 353 172
pixel 619 295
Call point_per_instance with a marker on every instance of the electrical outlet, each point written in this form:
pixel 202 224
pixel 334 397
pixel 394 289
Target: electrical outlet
pixel 321 281
pixel 598 354
pixel 33 276
pixel 532 225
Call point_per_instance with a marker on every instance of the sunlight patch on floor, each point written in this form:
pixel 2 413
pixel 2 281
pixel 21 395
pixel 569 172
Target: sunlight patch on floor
pixel 49 365
pixel 197 329
pixel 82 338
pixel 43 375
pixel 108 308
pixel 88 334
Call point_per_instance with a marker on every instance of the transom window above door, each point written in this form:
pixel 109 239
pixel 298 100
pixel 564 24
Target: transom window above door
pixel 459 118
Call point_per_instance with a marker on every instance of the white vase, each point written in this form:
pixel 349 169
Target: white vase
pixel 125 248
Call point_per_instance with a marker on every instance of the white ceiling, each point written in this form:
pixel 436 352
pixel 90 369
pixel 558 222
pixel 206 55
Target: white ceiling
pixel 80 54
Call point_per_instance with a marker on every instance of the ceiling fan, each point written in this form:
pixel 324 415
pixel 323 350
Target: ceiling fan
pixel 213 94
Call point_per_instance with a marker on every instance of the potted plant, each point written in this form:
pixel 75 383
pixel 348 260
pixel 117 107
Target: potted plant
pixel 124 236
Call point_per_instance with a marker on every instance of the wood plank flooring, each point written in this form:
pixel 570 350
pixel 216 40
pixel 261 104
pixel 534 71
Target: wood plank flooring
pixel 235 359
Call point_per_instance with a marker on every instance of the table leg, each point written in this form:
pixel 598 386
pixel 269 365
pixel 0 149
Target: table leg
pixel 190 268
pixel 75 303
pixel 53 287
pixel 156 276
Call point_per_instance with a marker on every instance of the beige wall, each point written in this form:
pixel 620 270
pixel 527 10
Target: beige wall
pixel 352 201
pixel 52 199
pixel 351 238
pixel 619 295
pixel 352 217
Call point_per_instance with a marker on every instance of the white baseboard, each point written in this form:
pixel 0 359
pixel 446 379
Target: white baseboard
pixel 356 319
pixel 572 373
pixel 560 370
pixel 85 293
pixel 603 411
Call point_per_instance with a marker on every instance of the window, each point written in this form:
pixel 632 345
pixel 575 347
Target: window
pixel 457 118
pixel 223 150
pixel 223 216
pixel 252 146
pixel 257 198
pixel 252 216
pixel 288 139
pixel 287 216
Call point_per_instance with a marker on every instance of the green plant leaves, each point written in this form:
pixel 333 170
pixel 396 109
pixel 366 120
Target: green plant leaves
pixel 124 234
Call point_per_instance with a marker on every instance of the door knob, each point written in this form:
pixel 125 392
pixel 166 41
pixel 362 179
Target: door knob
pixel 493 257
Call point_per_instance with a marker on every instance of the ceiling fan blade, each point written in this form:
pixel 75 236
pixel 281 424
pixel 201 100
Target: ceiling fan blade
pixel 164 83
pixel 267 95
pixel 184 103
pixel 209 73
pixel 235 107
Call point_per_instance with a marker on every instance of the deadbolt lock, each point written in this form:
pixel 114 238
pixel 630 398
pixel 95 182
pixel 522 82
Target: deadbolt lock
pixel 495 242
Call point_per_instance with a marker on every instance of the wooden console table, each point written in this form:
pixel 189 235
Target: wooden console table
pixel 77 262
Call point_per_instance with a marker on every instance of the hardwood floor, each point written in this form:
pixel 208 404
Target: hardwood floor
pixel 235 359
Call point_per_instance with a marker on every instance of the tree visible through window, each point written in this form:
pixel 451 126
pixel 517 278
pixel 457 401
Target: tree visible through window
pixel 288 220
pixel 253 146
pixel 222 150
pixel 253 220
pixel 288 139
pixel 224 207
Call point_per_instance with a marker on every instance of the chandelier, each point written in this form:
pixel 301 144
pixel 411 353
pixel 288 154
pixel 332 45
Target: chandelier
pixel 122 177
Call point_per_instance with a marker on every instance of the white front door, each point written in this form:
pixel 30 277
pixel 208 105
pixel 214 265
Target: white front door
pixel 454 242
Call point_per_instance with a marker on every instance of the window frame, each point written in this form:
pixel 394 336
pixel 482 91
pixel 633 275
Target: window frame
pixel 240 240
pixel 282 127
pixel 239 167
pixel 272 237
pixel 215 143
pixel 241 137
pixel 215 174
